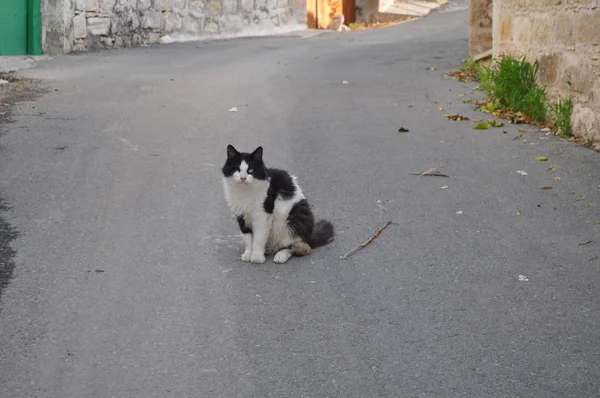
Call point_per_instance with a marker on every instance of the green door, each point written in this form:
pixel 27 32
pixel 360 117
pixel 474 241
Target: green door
pixel 20 27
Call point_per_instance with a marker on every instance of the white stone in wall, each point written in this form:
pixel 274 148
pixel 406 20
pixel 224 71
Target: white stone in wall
pixel 87 5
pixel 232 23
pixel 79 27
pixel 196 15
pixel 585 122
pixel 98 26
pixel 163 5
pixel 172 22
pixel 181 4
pixel 143 5
pixel 153 37
pixel 135 21
pixel 152 20
pixel 229 6
pixel 247 5
pixel 106 6
pixel 197 5
pixel 190 25
pixel 211 27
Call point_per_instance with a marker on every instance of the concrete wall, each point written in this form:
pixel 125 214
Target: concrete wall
pixel 565 37
pixel 79 25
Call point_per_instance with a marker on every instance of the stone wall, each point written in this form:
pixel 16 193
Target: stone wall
pixel 367 11
pixel 79 25
pixel 564 36
pixel 480 26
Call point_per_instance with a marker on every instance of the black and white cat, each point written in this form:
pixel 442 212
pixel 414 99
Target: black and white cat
pixel 271 209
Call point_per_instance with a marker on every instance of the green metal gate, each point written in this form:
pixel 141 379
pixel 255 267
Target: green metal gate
pixel 20 27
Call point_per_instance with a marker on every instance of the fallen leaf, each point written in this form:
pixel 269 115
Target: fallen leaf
pixel 459 212
pixel 345 82
pixel 542 158
pixel 441 109
pixel 481 126
pixel 456 116
pixel 522 130
pixel 517 137
pixel 402 130
pixel 547 187
pixel 444 187
pixel 585 243
pixel 521 172
pixel 518 213
pixel 590 175
pixel 234 109
pixel 551 168
pixel 523 278
pixel 557 178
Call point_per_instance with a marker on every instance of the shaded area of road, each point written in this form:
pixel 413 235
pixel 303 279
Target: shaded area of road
pixel 127 278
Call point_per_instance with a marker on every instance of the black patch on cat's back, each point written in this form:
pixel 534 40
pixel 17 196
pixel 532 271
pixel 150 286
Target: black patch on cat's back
pixel 301 220
pixel 281 184
pixel 243 226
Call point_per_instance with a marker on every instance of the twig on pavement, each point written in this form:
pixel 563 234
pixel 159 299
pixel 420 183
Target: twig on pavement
pixel 367 242
pixel 432 172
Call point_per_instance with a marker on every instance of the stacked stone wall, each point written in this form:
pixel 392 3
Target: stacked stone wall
pixel 564 36
pixel 79 25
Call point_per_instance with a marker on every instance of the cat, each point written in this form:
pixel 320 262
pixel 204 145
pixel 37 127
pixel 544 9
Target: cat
pixel 271 210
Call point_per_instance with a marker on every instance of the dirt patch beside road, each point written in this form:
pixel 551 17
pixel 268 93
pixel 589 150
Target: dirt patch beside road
pixel 11 93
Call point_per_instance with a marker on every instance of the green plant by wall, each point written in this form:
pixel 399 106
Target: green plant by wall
pixel 511 82
pixel 561 112
pixel 511 87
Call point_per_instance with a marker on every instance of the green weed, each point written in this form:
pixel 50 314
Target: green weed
pixel 511 83
pixel 561 117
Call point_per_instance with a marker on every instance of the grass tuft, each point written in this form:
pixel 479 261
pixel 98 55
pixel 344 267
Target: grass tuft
pixel 511 83
pixel 561 117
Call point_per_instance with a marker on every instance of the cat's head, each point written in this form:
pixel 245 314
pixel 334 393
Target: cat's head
pixel 244 168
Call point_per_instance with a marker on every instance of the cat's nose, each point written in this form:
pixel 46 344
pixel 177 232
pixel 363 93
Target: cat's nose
pixel 243 178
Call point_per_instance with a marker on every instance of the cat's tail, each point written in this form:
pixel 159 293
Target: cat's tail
pixel 322 234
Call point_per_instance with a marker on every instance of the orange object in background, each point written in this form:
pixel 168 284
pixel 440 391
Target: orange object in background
pixel 320 12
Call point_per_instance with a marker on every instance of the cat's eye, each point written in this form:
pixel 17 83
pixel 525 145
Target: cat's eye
pixel 250 170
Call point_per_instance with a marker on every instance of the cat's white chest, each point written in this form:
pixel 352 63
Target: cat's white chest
pixel 245 200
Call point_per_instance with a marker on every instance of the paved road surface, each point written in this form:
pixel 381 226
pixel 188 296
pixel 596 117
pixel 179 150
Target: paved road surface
pixel 127 280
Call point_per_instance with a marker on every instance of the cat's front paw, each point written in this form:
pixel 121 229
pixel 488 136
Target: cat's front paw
pixel 246 255
pixel 257 258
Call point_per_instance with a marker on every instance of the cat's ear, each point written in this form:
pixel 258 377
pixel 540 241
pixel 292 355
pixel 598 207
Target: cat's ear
pixel 231 152
pixel 257 154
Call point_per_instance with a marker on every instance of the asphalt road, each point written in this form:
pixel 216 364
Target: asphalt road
pixel 127 279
